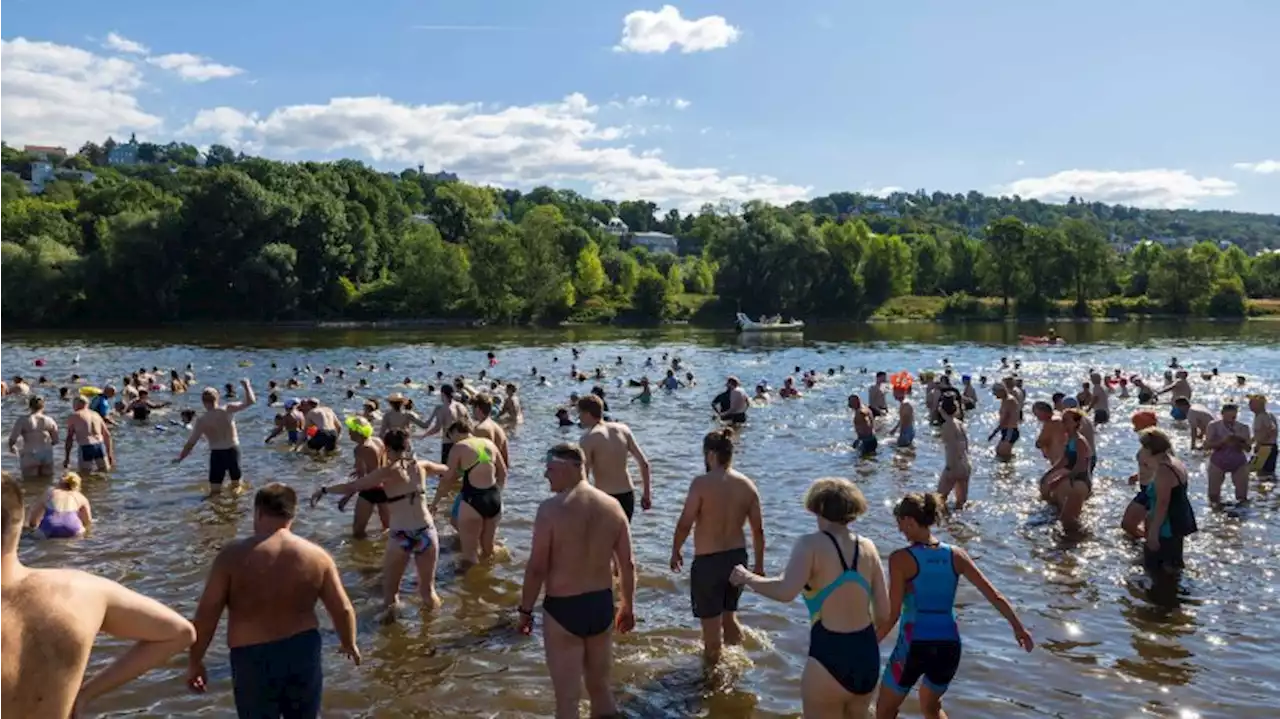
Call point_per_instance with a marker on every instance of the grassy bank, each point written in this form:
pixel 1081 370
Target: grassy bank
pixel 991 309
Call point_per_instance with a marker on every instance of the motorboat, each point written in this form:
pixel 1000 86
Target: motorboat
pixel 768 324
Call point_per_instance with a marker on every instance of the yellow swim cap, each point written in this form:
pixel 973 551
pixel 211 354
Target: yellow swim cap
pixel 360 426
pixel 90 391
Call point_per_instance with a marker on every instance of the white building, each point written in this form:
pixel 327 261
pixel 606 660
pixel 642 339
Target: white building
pixel 655 242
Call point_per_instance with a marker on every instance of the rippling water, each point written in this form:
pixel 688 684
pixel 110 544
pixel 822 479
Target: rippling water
pixel 1107 646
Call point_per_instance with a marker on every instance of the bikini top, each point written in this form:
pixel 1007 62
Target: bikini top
pixel 814 599
pixel 415 493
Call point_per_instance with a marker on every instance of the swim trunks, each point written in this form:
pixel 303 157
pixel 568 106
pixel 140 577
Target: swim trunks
pixel 1010 435
pixel 223 463
pixel 1101 416
pixel 377 495
pixel 866 444
pixel 736 418
pixel 294 436
pixel 283 678
pixel 582 615
pixel 906 436
pixel 710 592
pixel 628 502
pixel 324 440
pixel 935 661
pixel 1264 462
pixel 1178 413
pixel 95 452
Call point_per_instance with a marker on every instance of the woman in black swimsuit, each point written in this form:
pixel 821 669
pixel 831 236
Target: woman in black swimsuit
pixel 478 506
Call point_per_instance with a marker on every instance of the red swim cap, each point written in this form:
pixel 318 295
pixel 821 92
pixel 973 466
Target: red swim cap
pixel 1143 420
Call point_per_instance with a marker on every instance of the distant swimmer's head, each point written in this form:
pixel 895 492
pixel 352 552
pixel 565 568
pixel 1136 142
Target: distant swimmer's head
pixel 209 396
pixel 11 504
pixel 717 448
pixel 564 466
pixel 275 504
pixel 70 481
pixel 1145 419
pixel 918 511
pixel 948 406
pixel 836 500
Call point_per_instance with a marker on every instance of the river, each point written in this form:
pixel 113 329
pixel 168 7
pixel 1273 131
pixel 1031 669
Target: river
pixel 1107 645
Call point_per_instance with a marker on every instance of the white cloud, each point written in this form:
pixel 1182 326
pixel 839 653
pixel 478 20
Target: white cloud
pixel 518 146
pixel 1263 167
pixel 64 95
pixel 681 104
pixel 881 191
pixel 119 43
pixel 1019 163
pixel 193 68
pixel 646 31
pixel 1157 188
pixel 704 130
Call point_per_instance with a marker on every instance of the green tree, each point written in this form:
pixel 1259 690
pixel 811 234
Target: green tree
pixel 1089 259
pixel 1141 262
pixel 1180 281
pixel 652 299
pixel 588 273
pixel 1005 239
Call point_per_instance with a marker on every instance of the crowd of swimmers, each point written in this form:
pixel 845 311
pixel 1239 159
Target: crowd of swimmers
pixel 581 560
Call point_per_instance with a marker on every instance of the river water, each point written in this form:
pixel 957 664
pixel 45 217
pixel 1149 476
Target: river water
pixel 1108 646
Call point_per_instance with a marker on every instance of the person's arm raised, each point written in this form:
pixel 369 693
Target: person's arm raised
pixel 159 633
pixel 249 398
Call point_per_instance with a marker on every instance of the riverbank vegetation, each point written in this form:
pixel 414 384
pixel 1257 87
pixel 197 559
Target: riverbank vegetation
pixel 218 237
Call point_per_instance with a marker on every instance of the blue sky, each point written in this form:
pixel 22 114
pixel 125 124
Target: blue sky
pixel 1160 104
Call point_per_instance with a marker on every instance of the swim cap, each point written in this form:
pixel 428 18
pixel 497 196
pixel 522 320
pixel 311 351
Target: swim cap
pixel 291 403
pixel 1070 402
pixel 90 391
pixel 360 426
pixel 965 378
pixel 1143 420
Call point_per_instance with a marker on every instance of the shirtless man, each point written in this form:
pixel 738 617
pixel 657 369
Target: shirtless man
pixel 969 393
pixel 578 535
pixel 511 412
pixel 289 423
pixel 863 427
pixel 398 416
pixel 39 434
pixel 325 420
pixel 370 454
pixel 88 430
pixel 605 448
pixel 1100 400
pixel 737 402
pixel 218 426
pixel 270 583
pixel 1197 416
pixel 1051 441
pixel 1264 437
pixel 955 444
pixel 141 406
pixel 1228 439
pixel 487 428
pixel 906 426
pixel 1008 425
pixel 719 503
pixel 875 396
pixel 49 619
pixel 445 414
pixel 1180 388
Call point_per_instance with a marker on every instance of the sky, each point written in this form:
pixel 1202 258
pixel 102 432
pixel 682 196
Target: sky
pixel 1154 103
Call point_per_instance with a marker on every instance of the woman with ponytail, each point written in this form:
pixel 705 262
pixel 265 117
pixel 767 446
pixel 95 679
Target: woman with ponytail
pixel 922 592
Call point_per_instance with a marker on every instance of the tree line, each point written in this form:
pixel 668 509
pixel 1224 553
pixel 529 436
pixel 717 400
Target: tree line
pixel 228 237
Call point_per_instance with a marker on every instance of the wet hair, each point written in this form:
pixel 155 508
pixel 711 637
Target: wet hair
pixel 36 403
pixel 463 425
pixel 446 390
pixel 1155 441
pixel 62 392
pixel 564 450
pixel 397 440
pixel 1075 413
pixel 70 481
pixel 11 507
pixel 1042 407
pixel 351 393
pixel 926 508
pixel 948 406
pixel 484 403
pixel 187 415
pixel 591 405
pixel 273 398
pixel 835 499
pixel 276 500
pixel 1058 397
pixel 512 388
pixel 720 443
pixel 1229 407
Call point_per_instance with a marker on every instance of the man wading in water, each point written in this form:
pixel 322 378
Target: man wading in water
pixel 718 504
pixel 271 582
pixel 49 619
pixel 577 536
pixel 605 447
pixel 218 426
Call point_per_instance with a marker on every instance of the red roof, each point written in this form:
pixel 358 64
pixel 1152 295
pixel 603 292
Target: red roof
pixel 45 148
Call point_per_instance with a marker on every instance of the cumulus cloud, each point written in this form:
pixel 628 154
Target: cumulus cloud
pixel 55 94
pixel 681 104
pixel 521 146
pixel 120 43
pixel 1158 188
pixel 1262 167
pixel 193 68
pixel 646 31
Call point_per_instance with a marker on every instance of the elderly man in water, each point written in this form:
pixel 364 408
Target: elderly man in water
pixel 51 618
pixel 218 426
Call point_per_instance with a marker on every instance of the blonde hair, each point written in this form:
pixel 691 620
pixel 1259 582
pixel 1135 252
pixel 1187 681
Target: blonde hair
pixel 71 482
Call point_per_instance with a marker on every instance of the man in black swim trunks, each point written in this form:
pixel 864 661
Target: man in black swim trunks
pixel 325 421
pixel 578 535
pixel 719 503
pixel 733 403
pixel 606 447
pixel 449 410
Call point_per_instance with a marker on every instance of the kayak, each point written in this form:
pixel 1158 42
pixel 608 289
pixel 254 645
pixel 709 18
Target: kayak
pixel 1034 340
